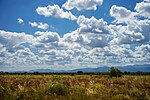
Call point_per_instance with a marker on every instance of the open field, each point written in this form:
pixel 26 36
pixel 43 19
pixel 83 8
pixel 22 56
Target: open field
pixel 75 87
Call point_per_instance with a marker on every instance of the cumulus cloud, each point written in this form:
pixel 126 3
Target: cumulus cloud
pixel 135 30
pixel 143 49
pixel 10 39
pixel 21 58
pixel 143 8
pixel 127 37
pixel 92 25
pixel 72 49
pixel 121 14
pixel 10 43
pixel 20 21
pixel 92 32
pixel 3 51
pixel 82 4
pixel 55 11
pixel 47 36
pixel 94 43
pixel 40 25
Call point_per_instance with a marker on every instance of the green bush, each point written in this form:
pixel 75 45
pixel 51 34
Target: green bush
pixel 80 72
pixel 115 72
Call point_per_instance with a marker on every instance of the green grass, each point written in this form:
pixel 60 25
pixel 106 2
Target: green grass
pixel 77 87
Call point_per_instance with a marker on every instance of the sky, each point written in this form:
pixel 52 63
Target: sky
pixel 71 34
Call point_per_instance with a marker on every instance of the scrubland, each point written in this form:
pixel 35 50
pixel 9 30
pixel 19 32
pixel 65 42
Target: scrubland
pixel 74 87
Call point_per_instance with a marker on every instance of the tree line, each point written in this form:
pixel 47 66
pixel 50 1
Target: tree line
pixel 113 72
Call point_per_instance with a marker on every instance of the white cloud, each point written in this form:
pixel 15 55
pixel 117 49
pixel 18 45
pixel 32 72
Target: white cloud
pixel 91 32
pixel 55 11
pixel 92 25
pixel 22 57
pixel 128 37
pixel 121 14
pixel 10 44
pixel 45 37
pixel 135 30
pixel 144 49
pixel 143 8
pixel 40 25
pixel 20 21
pixel 94 43
pixel 10 39
pixel 3 51
pixel 82 4
pixel 76 50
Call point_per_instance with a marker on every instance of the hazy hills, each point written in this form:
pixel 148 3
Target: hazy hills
pixel 131 68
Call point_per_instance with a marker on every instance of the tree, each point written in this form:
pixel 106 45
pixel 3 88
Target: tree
pixel 35 73
pixel 79 72
pixel 115 72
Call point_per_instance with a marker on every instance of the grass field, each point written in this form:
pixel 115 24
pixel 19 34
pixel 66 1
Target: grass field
pixel 76 87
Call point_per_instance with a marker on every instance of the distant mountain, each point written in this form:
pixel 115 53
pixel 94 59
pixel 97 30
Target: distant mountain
pixel 130 68
pixel 135 68
pixel 99 69
pixel 46 70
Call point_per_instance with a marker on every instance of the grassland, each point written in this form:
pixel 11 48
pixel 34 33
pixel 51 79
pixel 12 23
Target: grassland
pixel 75 87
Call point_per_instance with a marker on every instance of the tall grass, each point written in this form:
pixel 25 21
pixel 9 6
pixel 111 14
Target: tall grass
pixel 77 87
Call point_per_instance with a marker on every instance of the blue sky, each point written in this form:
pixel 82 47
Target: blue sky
pixel 25 9
pixel 59 34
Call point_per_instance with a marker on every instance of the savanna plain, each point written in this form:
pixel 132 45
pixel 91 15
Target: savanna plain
pixel 74 87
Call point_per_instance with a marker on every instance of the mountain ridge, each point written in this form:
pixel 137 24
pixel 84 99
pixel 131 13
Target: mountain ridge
pixel 129 68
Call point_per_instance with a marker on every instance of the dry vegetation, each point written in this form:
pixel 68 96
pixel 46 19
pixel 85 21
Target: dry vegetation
pixel 77 87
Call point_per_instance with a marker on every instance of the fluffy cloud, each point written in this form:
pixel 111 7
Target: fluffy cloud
pixel 10 39
pixel 20 21
pixel 72 49
pixel 3 51
pixel 143 8
pixel 21 58
pixel 92 25
pixel 91 32
pixel 143 50
pixel 55 11
pixel 40 25
pixel 136 30
pixel 121 14
pixel 46 36
pixel 10 44
pixel 94 43
pixel 82 4
pixel 124 36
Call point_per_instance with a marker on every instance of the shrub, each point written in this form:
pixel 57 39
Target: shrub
pixel 80 72
pixel 115 72
pixel 120 97
pixel 5 92
pixel 58 89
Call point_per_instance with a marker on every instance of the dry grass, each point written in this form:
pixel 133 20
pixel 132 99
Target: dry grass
pixel 77 87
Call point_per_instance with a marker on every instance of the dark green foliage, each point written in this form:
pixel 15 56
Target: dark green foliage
pixel 71 73
pixel 126 73
pixel 36 73
pixel 115 72
pixel 79 72
pixel 140 73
